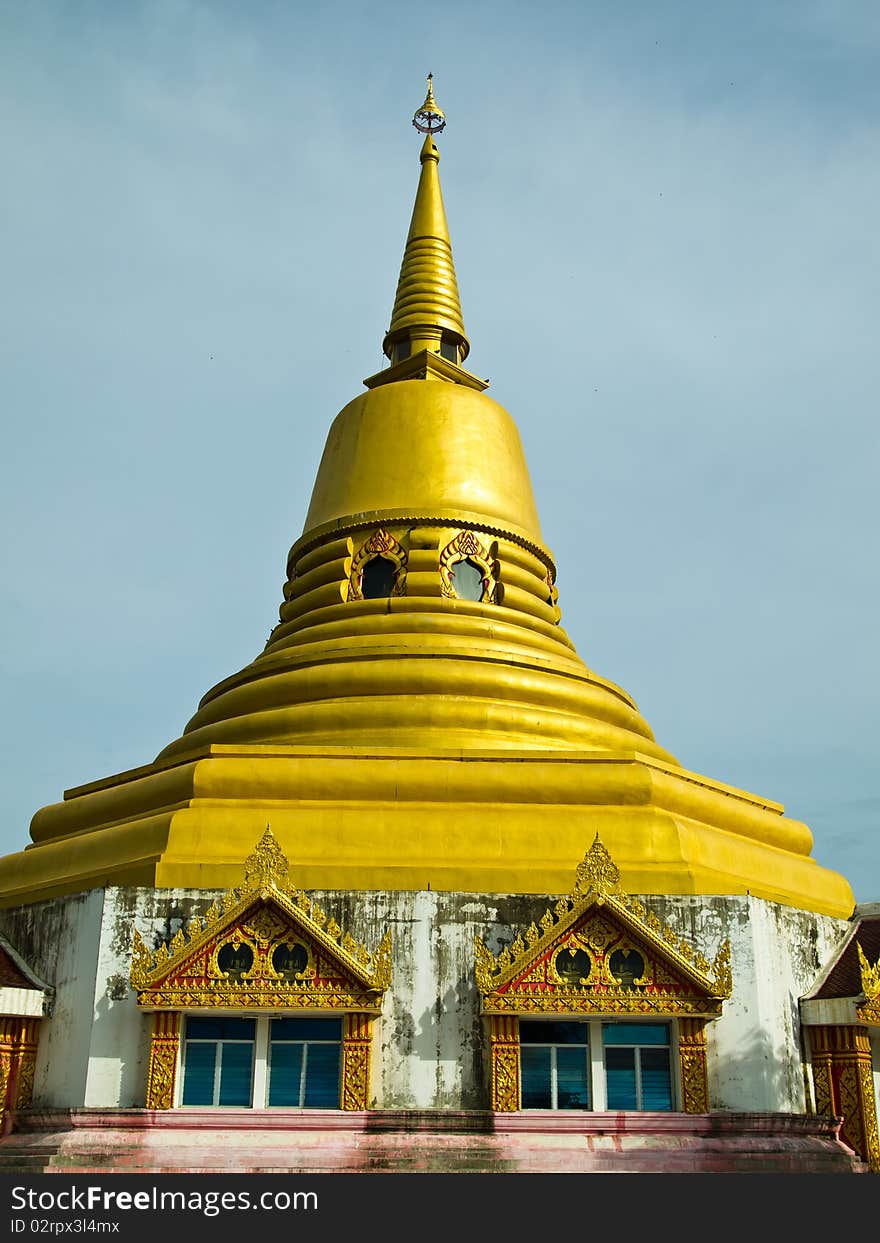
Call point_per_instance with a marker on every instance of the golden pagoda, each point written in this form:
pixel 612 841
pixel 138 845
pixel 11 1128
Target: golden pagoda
pixel 418 718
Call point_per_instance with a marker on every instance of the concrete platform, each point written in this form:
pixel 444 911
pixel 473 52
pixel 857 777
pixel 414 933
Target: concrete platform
pixel 281 1141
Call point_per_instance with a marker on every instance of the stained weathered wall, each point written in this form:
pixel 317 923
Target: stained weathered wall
pixel 754 1050
pixel 429 1052
pixel 59 939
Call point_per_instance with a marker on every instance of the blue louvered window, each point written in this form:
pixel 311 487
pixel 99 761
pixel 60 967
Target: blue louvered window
pixel 305 1057
pixel 555 1062
pixel 637 1066
pixel 595 1065
pixel 218 1061
pixel 292 1063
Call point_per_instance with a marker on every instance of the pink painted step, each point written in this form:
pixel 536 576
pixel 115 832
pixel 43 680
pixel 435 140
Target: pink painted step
pixel 395 1141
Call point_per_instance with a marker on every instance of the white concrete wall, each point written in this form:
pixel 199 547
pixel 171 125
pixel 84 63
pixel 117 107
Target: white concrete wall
pixel 59 940
pixel 754 1050
pixel 119 1050
pixel 429 1051
pixel 116 1072
pixel 757 1057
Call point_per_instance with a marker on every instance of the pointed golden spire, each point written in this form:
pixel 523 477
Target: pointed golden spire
pixel 427 309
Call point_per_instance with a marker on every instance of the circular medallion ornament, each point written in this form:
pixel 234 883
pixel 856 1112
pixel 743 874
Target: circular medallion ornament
pixel 235 960
pixel 430 119
pixel 290 960
pixel 573 966
pixel 627 967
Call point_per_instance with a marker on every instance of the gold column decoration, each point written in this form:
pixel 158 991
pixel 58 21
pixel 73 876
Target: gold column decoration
pixel 25 1062
pixel 844 1083
pixel 821 1060
pixel 164 1049
pixel 356 1043
pixel 504 1042
pixel 692 1061
pixel 808 1089
pixel 18 1061
pixel 6 1040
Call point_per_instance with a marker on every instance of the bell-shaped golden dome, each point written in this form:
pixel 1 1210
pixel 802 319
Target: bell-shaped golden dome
pixel 424 472
pixel 418 717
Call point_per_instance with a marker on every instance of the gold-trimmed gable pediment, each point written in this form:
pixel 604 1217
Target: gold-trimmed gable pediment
pixel 600 951
pixel 266 945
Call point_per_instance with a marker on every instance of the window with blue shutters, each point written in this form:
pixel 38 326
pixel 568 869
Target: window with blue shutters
pixel 304 1063
pixel 595 1065
pixel 555 1061
pixel 288 1062
pixel 218 1061
pixel 637 1066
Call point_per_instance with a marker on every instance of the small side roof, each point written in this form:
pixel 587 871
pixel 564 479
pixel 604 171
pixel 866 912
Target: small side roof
pixel 841 975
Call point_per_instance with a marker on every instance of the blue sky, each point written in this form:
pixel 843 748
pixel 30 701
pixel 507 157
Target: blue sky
pixel 665 230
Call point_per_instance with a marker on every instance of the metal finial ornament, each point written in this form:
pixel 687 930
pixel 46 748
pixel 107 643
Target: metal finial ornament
pixel 430 119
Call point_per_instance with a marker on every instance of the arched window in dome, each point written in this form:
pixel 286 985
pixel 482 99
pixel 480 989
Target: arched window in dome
pixel 553 597
pixel 378 578
pixel 468 579
pixel 468 570
pixel 378 569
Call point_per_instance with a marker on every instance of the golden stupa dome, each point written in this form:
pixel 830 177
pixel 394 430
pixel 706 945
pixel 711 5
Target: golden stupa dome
pixel 423 474
pixel 418 717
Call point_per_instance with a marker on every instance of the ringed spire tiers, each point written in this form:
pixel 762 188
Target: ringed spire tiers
pixel 418 717
pixel 427 309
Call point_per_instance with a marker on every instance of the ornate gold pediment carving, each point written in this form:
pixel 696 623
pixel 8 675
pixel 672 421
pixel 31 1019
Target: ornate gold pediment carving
pixel 266 945
pixel 869 1010
pixel 599 951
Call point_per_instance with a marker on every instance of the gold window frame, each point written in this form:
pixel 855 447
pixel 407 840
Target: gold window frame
pixel 598 916
pixel 182 975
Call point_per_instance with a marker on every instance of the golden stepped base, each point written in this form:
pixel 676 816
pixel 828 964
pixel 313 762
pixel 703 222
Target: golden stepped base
pixel 363 818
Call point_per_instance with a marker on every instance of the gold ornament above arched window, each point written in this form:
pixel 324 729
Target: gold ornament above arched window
pixel 380 549
pixel 466 550
pixel 553 596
